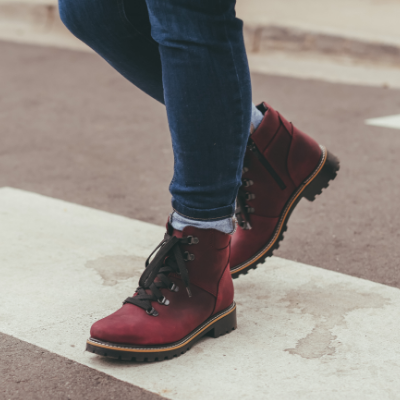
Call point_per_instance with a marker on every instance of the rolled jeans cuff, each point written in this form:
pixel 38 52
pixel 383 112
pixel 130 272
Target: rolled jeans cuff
pixel 213 214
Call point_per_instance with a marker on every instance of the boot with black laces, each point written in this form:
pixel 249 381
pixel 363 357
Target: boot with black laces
pixel 185 293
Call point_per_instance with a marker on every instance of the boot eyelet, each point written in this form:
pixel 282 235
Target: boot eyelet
pixel 164 301
pixel 244 170
pixel 247 182
pixel 188 256
pixel 152 312
pixel 247 226
pixel 249 209
pixel 250 196
pixel 192 240
pixel 174 288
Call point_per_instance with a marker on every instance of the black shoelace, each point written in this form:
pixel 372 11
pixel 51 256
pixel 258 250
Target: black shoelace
pixel 169 259
pixel 243 210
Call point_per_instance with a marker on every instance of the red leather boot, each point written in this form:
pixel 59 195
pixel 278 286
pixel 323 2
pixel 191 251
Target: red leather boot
pixel 185 293
pixel 282 165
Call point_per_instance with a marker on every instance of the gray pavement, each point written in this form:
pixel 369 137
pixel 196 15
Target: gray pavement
pixel 368 21
pixel 348 41
pixel 74 129
pixel 29 372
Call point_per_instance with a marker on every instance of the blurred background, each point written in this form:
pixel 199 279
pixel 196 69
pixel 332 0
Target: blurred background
pixel 353 41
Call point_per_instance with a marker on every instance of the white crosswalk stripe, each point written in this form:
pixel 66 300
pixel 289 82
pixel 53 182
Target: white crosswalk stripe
pixel 304 332
pixel 391 121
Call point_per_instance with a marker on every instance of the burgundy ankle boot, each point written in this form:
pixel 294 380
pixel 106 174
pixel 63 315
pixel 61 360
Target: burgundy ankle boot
pixel 185 293
pixel 282 165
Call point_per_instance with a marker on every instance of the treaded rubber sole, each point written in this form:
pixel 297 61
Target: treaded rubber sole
pixel 312 187
pixel 217 325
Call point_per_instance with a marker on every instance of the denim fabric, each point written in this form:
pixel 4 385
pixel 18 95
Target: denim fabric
pixel 190 55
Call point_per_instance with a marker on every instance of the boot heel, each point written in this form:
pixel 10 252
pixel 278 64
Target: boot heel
pixel 321 181
pixel 225 325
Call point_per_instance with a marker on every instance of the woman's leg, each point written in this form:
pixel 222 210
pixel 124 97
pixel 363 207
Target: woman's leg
pixel 207 94
pixel 119 31
pixel 208 99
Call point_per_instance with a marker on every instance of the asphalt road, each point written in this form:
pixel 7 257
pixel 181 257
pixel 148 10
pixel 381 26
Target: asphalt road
pixel 28 372
pixel 73 129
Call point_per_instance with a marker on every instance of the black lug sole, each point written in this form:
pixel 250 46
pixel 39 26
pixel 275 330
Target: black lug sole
pixel 310 189
pixel 216 326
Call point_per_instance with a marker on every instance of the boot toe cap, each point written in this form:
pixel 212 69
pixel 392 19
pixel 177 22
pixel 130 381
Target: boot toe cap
pixel 122 327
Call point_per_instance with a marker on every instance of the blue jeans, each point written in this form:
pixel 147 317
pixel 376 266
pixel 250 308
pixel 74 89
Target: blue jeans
pixel 189 55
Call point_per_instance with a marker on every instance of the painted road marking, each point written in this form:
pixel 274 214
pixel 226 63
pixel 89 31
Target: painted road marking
pixel 391 121
pixel 304 332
